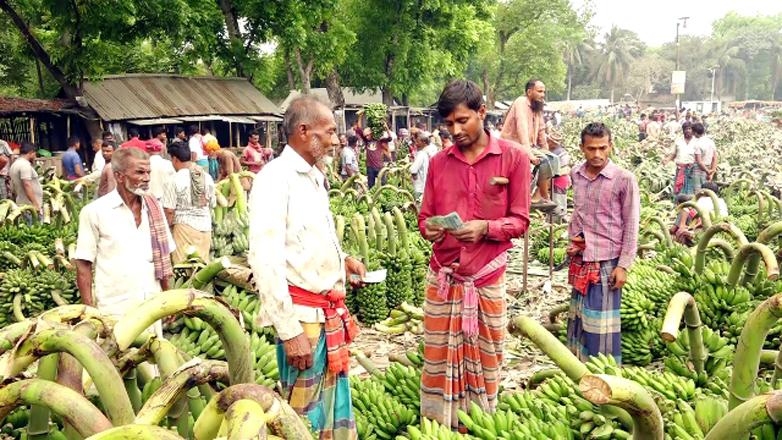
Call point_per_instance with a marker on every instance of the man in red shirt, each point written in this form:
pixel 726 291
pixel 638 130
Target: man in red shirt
pixel 255 156
pixel 485 180
pixel 135 141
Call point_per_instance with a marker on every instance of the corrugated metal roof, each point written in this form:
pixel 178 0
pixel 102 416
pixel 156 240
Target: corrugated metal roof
pixel 19 105
pixel 352 98
pixel 144 96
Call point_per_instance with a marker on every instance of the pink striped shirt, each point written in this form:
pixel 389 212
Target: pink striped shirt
pixel 606 210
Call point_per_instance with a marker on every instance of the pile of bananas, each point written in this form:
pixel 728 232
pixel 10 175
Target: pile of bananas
pixel 370 300
pixel 718 350
pixel 229 237
pixel 399 281
pixel 404 318
pixel 686 422
pixel 383 413
pixel 26 293
pixel 266 370
pixel 506 424
pixel 641 347
pixel 636 310
pixel 669 385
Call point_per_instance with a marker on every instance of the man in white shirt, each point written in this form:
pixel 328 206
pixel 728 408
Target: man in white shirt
pixel 196 144
pixel 349 158
pixel 116 239
pixel 161 171
pixel 420 167
pixel 683 156
pixel 705 156
pixel 300 270
pixel 188 200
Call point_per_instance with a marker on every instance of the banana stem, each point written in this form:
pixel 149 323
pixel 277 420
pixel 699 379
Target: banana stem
pixel 167 360
pixel 90 356
pixel 683 305
pixel 604 389
pixel 388 219
pixel 73 408
pixel 359 229
pixel 137 432
pixel 663 230
pixel 705 219
pixel 193 303
pixel 549 344
pixel 777 366
pixel 772 269
pixel 765 237
pixel 769 357
pixel 741 420
pixel 700 254
pixel 401 227
pixel 207 273
pixel 715 214
pixel 556 311
pixel 38 425
pixel 175 387
pixel 747 358
pixel 131 389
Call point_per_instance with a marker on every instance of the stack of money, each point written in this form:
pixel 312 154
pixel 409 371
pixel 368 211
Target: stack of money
pixel 450 222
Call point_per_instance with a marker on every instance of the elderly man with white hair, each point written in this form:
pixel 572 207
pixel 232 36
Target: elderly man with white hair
pixel 420 167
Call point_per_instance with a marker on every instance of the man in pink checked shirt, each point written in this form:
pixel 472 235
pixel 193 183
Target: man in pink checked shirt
pixel 603 235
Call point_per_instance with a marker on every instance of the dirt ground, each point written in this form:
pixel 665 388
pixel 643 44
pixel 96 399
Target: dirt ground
pixel 522 358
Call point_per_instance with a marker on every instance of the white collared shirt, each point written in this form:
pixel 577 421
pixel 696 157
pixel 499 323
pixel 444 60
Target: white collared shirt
pixel 121 253
pixel 292 241
pixel 685 151
pixel 161 171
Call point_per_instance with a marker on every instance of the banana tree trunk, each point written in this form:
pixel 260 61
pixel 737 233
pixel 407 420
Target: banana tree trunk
pixel 741 420
pixel 38 425
pixel 70 406
pixel 683 305
pixel 703 244
pixel 747 357
pixel 664 230
pixel 193 303
pixel 604 389
pixel 772 269
pixel 90 356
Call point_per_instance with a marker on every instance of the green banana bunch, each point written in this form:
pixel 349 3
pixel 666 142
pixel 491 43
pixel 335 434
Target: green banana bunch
pixel 636 309
pixel 382 410
pixel 266 370
pixel 667 384
pixel 429 430
pixel 404 383
pixel 150 388
pixel 371 300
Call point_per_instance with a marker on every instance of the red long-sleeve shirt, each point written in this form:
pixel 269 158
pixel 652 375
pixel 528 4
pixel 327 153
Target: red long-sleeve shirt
pixel 453 184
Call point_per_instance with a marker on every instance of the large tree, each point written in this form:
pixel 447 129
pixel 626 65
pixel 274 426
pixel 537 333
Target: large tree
pixel 402 44
pixel 527 38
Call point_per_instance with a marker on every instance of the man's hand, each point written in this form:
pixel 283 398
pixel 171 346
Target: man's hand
pixel 354 267
pixel 434 233
pixel 534 160
pixel 472 231
pixel 618 277
pixel 298 351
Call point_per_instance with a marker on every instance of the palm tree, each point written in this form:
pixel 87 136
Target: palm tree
pixel 575 54
pixel 618 51
pixel 732 68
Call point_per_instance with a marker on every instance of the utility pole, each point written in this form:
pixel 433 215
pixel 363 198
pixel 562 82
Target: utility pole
pixel 713 71
pixel 681 21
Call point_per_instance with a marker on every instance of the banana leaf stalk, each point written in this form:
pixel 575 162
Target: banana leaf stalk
pixel 167 360
pixel 388 219
pixel 682 305
pixel 245 420
pixel 238 191
pixel 761 205
pixel 175 387
pixel 746 360
pixel 132 390
pixel 549 344
pixel 90 356
pixel 193 303
pixel 703 244
pixel 741 420
pixel 38 425
pixel 745 251
pixel 136 432
pixel 604 389
pixel 68 405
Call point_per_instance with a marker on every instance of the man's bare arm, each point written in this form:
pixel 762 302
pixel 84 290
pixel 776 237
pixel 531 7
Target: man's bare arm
pixel 28 191
pixel 84 281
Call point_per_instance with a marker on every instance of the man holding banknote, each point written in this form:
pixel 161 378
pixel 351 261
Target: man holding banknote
pixel 475 201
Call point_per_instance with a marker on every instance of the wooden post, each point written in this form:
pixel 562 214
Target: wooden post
pixel 238 130
pixel 526 262
pixel 68 126
pixel 268 134
pixel 230 135
pixel 32 129
pixel 550 246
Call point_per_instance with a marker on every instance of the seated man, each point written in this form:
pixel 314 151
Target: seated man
pixel 688 221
